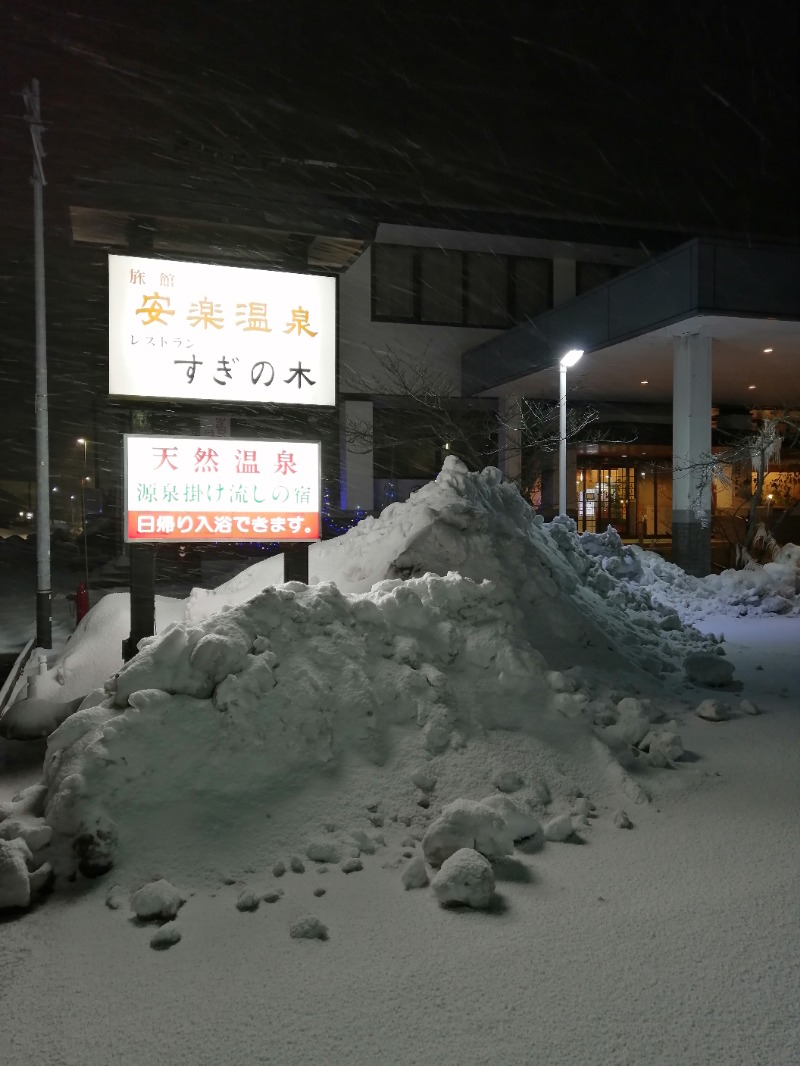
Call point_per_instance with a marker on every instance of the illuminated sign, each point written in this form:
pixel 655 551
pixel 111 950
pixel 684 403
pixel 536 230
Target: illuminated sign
pixel 220 488
pixel 192 331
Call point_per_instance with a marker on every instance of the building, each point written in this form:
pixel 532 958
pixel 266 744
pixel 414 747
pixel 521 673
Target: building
pixel 451 322
pixel 700 336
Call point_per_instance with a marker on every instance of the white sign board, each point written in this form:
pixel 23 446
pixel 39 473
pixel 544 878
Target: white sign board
pixel 192 331
pixel 221 489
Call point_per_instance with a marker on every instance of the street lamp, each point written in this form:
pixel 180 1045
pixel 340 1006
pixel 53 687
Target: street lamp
pixel 568 360
pixel 84 479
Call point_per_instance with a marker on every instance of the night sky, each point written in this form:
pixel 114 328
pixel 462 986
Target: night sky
pixel 673 115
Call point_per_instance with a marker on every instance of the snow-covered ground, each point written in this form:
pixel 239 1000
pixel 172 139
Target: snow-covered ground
pixel 281 754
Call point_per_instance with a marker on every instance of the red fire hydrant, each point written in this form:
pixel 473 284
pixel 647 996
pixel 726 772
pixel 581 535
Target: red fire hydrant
pixel 81 601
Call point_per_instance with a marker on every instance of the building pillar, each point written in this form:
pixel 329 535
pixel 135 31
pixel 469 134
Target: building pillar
pixel 509 438
pixel 691 454
pixel 357 486
pixel 549 484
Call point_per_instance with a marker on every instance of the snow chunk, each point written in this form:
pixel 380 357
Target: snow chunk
pixel 15 887
pixel 708 670
pixel 748 707
pixel 622 821
pixel 424 781
pixel 466 877
pixel 712 711
pixel 323 851
pixel 415 875
pixel 508 781
pixel 365 844
pixel 663 742
pixel 34 831
pixel 631 726
pixel 558 828
pixel 166 936
pixel 308 927
pixel 158 899
pixel 466 824
pixel 248 900
pixel 522 825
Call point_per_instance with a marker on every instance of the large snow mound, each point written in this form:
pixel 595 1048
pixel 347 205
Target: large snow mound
pixel 251 702
pixel 454 616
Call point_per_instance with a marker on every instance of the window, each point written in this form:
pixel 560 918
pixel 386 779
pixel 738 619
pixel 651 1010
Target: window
pixel 590 275
pixel 440 286
pixel 393 282
pixel 533 287
pixel 444 287
pixel 487 290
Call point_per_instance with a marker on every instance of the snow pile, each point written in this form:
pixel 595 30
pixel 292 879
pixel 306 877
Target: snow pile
pixel 773 588
pixel 454 617
pixel 575 608
pixel 293 683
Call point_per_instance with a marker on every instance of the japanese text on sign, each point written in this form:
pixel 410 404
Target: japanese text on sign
pixel 212 489
pixel 203 332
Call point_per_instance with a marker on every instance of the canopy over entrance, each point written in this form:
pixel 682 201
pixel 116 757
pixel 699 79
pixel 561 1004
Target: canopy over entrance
pixel 713 322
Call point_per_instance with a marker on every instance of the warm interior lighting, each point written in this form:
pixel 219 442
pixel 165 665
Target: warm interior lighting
pixel 767 349
pixel 751 386
pixel 644 382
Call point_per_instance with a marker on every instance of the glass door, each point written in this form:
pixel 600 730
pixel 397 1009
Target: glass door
pixel 607 497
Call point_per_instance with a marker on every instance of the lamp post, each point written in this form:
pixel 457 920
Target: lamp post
pixel 44 591
pixel 84 442
pixel 568 360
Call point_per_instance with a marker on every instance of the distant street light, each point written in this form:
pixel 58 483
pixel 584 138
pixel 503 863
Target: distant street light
pixel 568 360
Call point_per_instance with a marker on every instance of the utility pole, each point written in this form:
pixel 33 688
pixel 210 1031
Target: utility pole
pixel 44 620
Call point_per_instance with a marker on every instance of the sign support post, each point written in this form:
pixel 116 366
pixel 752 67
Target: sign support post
pixel 295 562
pixel 142 576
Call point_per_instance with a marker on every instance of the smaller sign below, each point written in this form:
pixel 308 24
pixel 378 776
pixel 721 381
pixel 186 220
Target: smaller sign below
pixel 190 489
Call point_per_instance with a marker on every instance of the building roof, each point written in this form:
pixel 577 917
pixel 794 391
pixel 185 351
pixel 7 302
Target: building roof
pixel 745 296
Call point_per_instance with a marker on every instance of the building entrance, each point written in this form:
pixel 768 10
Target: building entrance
pixel 636 499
